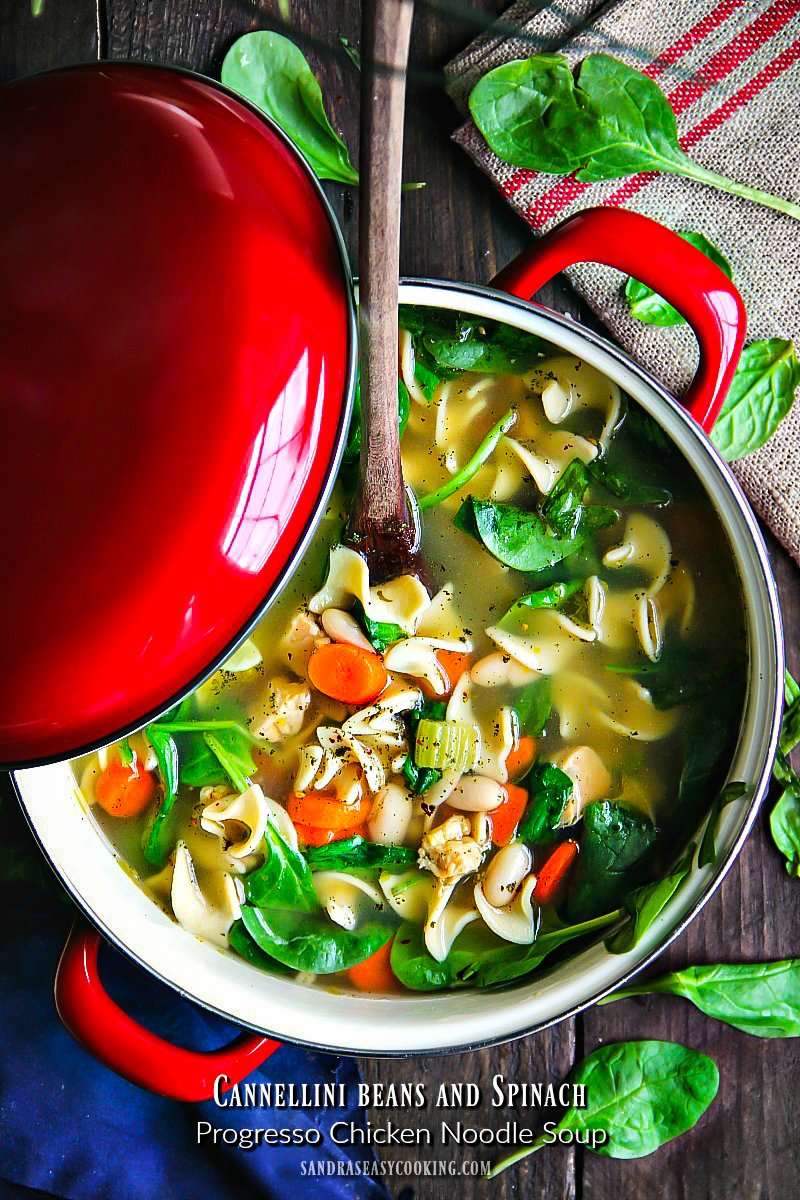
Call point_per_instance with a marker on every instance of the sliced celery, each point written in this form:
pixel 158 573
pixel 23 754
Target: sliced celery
pixel 448 745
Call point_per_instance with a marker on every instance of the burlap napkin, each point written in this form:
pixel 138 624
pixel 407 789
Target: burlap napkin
pixel 731 70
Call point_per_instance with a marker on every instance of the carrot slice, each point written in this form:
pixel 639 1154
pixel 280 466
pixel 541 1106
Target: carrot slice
pixel 308 835
pixel 322 810
pixel 507 817
pixel 454 663
pixel 125 790
pixel 347 673
pixel 554 871
pixel 520 759
pixel 375 973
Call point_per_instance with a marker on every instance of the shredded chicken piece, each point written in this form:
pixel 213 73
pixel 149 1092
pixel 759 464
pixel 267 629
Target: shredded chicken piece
pixel 449 851
pixel 280 712
pixel 300 640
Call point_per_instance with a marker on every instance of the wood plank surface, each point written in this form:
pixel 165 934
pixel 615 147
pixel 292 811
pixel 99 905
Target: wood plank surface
pixel 458 228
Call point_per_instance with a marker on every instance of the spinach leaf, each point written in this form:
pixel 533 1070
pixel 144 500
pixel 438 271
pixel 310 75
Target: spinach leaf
pixel 449 343
pixel 380 633
pixel 517 538
pixel 623 485
pixel 358 852
pixel 564 509
pixel 682 674
pixel 125 752
pixel 640 1094
pixel 311 941
pixel 217 757
pixel 784 825
pixel 759 998
pixel 510 962
pixel 352 449
pixel 646 305
pixel 421 778
pixel 614 852
pixel 158 838
pixel 284 880
pixel 272 73
pixel 472 466
pixel 240 941
pixel 708 847
pixel 761 395
pixel 549 597
pixel 533 706
pixel 646 903
pixel 613 121
pixel 790 725
pixel 550 789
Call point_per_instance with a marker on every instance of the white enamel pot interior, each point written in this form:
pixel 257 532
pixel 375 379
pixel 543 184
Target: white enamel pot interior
pixel 421 1023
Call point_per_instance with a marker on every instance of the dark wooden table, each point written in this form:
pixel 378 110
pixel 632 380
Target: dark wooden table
pixel 458 228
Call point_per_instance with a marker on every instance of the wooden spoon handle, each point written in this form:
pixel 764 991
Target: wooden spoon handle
pixel 381 508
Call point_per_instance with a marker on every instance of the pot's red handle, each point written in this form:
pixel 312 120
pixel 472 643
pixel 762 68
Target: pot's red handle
pixel 124 1046
pixel 685 276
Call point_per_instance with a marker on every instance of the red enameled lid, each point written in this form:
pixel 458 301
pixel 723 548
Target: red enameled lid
pixel 176 361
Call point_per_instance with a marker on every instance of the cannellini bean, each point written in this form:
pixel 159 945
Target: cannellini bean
pixel 498 670
pixel 341 626
pixel 391 815
pixel 476 793
pixel 505 873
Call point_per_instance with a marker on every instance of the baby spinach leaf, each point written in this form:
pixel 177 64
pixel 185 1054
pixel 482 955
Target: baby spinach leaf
pixel 640 1094
pixel 352 449
pixel 646 305
pixel 158 838
pixel 240 941
pixel 708 848
pixel 533 706
pixel 549 597
pixel 125 752
pixel 646 903
pixel 311 941
pixel 550 789
pixel 509 962
pixel 682 674
pixel 472 466
pixel 614 852
pixel 272 72
pixel 358 852
pixel 217 757
pixel 563 508
pixel 449 343
pixel 515 537
pixel 761 395
pixel 784 825
pixel 610 122
pixel 380 633
pixel 623 485
pixel 284 880
pixel 762 999
pixel 416 968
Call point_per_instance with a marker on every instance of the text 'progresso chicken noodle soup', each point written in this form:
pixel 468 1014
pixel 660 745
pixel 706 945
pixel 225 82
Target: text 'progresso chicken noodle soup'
pixel 388 787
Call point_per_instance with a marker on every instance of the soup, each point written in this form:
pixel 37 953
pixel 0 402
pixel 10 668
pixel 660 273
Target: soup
pixel 400 787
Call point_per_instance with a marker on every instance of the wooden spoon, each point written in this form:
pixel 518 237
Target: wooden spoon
pixel 380 526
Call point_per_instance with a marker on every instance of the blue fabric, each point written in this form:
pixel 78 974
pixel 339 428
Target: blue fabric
pixel 73 1129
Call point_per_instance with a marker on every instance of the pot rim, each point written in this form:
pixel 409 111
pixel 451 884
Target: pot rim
pixel 737 819
pixel 335 461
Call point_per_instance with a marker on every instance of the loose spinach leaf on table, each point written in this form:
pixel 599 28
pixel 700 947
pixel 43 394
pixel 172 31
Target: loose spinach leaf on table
pixel 762 999
pixel 550 789
pixel 272 73
pixel 311 941
pixel 610 122
pixel 645 904
pixel 639 1094
pixel 646 305
pixel 158 838
pixel 515 537
pixel 284 879
pixel 358 852
pixel 761 395
pixel 784 825
pixel 614 853
pixel 533 705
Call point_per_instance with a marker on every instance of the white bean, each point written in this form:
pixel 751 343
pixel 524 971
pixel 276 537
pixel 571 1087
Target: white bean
pixel 476 793
pixel 391 815
pixel 341 626
pixel 505 873
pixel 498 670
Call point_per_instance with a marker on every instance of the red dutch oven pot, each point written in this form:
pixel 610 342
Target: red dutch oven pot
pixel 286 376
